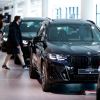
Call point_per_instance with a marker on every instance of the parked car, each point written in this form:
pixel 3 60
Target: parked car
pixel 65 51
pixel 29 28
pixel 1 38
pixel 4 41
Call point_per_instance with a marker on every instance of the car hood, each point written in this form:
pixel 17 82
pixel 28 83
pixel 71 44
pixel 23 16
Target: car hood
pixel 25 35
pixel 73 48
pixel 28 35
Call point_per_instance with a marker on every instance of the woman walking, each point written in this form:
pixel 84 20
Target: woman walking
pixel 14 42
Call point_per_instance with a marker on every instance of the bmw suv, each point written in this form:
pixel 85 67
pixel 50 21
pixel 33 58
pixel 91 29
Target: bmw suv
pixel 65 51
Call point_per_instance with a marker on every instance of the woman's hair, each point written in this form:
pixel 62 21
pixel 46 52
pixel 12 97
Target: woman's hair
pixel 1 16
pixel 16 18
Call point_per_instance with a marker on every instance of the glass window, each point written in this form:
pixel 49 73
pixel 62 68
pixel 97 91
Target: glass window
pixel 98 15
pixel 30 25
pixel 73 32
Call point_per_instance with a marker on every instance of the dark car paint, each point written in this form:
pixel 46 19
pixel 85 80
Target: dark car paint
pixel 55 68
pixel 74 48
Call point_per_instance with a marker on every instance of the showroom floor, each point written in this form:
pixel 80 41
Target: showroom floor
pixel 16 85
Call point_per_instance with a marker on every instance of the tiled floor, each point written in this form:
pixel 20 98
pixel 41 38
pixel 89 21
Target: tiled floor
pixel 16 85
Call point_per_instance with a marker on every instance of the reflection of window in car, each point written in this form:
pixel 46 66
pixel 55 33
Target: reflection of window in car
pixel 96 33
pixel 86 33
pixel 30 26
pixel 24 27
pixel 27 27
pixel 62 36
pixel 52 34
pixel 73 33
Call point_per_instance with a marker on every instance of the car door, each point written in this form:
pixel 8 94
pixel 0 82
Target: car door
pixel 39 49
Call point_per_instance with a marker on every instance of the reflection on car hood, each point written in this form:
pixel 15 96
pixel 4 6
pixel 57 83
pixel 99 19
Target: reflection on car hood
pixel 73 48
pixel 28 35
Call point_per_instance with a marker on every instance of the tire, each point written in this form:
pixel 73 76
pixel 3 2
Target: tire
pixel 98 94
pixel 33 73
pixel 46 86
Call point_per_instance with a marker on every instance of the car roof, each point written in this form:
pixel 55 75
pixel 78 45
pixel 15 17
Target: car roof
pixel 66 21
pixel 33 18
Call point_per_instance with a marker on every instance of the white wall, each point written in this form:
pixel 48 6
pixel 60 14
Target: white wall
pixel 27 8
pixel 88 10
pixel 63 4
pixel 45 8
pixel 48 8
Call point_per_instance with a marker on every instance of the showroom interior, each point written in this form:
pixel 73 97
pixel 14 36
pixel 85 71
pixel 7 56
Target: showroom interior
pixel 41 55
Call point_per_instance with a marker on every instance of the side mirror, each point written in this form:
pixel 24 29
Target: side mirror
pixel 37 39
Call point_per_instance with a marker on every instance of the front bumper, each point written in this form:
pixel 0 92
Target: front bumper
pixel 61 73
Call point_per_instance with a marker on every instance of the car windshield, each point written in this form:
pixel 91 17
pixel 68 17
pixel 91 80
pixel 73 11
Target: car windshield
pixel 73 32
pixel 30 25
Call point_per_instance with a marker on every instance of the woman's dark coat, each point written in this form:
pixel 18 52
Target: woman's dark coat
pixel 1 24
pixel 14 38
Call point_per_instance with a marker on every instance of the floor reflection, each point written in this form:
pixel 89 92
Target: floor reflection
pixel 77 89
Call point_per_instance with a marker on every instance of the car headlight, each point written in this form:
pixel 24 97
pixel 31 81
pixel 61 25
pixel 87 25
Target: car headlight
pixel 56 57
pixel 5 39
pixel 99 69
pixel 25 42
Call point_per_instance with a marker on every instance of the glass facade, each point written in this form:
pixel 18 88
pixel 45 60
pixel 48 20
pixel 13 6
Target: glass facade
pixel 98 14
pixel 64 9
pixel 57 9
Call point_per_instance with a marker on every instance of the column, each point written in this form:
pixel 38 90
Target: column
pixel 14 9
pixel 27 8
pixel 88 10
pixel 44 8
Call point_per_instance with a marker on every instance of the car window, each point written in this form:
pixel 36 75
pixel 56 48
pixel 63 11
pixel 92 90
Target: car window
pixel 30 25
pixel 73 32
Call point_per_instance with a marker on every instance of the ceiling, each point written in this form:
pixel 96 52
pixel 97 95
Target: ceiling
pixel 4 3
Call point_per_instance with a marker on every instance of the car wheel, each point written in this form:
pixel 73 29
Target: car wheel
pixel 33 73
pixel 98 94
pixel 98 89
pixel 45 85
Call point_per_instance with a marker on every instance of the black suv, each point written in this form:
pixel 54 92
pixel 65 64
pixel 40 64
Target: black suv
pixel 65 51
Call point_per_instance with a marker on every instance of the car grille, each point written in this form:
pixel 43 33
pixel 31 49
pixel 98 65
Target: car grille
pixel 85 61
